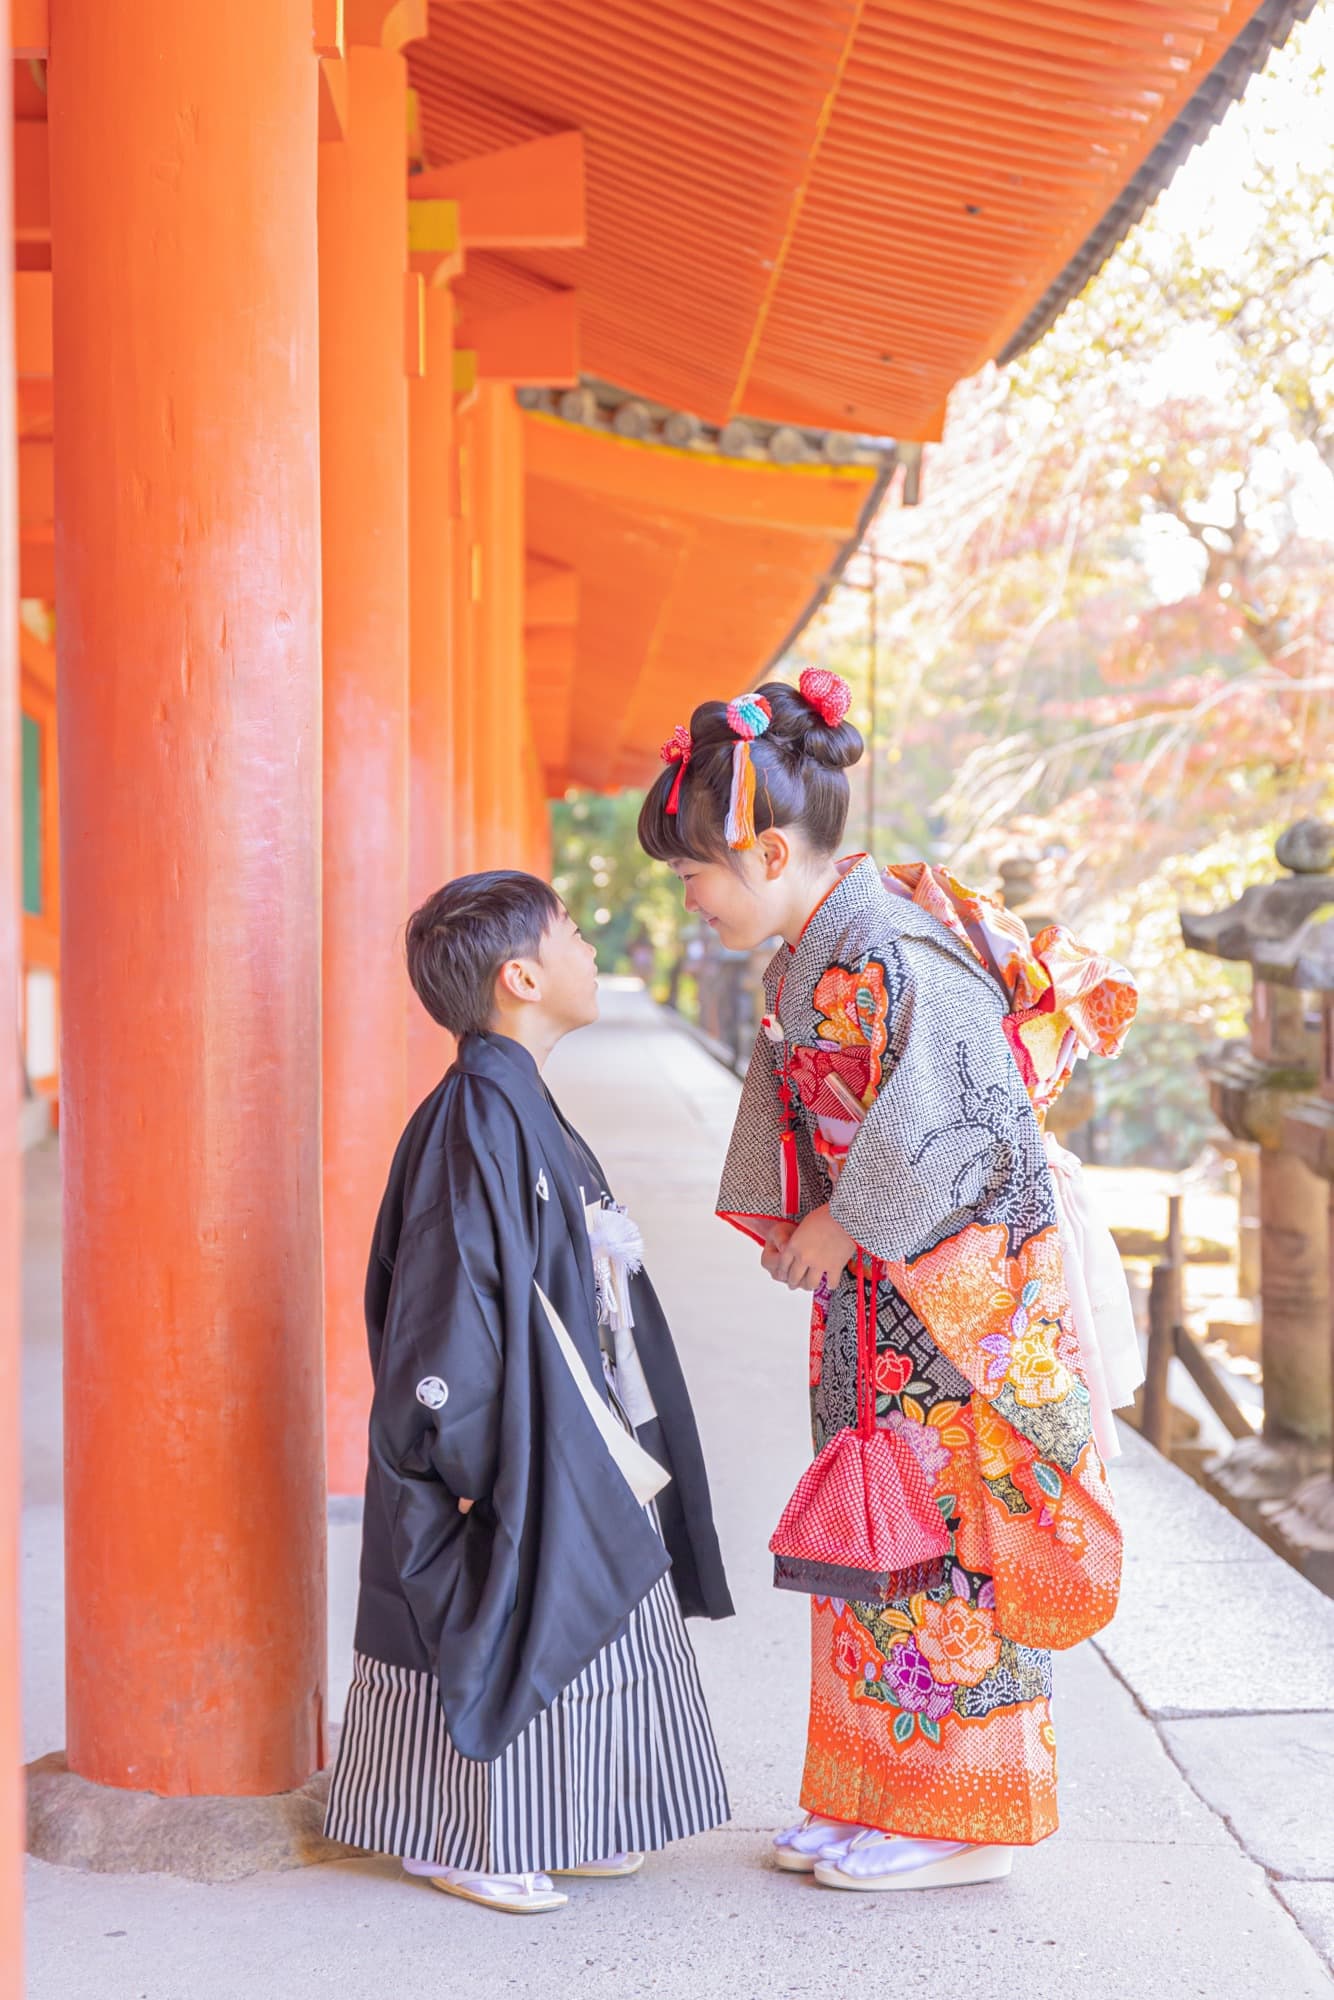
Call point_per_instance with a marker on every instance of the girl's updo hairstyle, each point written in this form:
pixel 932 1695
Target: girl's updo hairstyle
pixel 799 762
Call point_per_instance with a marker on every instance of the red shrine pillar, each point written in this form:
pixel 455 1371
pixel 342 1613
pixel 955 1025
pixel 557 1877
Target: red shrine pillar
pixel 183 193
pixel 503 720
pixel 11 1782
pixel 466 704
pixel 434 802
pixel 363 256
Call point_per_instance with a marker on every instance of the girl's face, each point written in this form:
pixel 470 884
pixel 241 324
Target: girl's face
pixel 743 902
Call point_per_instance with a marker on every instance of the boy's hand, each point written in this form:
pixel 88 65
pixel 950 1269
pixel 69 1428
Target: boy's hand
pixel 817 1248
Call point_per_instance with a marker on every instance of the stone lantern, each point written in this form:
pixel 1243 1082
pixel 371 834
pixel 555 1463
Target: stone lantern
pixel 1305 1521
pixel 1254 1086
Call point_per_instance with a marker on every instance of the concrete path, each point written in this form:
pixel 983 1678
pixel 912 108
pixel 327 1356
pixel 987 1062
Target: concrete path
pixel 1197 1738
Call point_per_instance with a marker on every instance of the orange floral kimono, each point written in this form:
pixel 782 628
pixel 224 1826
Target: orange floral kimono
pixel 909 1035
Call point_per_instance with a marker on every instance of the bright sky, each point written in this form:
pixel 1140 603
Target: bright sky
pixel 1287 113
pixel 1286 117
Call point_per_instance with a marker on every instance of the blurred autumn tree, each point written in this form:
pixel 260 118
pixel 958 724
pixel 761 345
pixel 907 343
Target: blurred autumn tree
pixel 628 905
pixel 1106 636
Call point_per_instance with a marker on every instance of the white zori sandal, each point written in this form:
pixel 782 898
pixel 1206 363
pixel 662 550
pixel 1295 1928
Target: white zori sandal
pixel 608 1869
pixel 811 1840
pixel 883 1861
pixel 518 1895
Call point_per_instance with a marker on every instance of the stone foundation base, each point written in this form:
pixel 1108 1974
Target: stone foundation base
pixel 99 1828
pixel 1257 1469
pixel 1302 1529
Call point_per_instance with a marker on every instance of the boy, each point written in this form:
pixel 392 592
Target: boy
pixel 525 1700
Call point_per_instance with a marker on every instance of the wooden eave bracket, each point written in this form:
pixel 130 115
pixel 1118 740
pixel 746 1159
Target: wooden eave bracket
pixel 385 24
pixel 33 340
pixel 551 592
pixel 32 181
pixel 414 325
pixel 329 29
pixel 465 375
pixel 532 344
pixel 528 197
pixel 29 29
pixel 37 522
pixel 435 246
pixel 335 89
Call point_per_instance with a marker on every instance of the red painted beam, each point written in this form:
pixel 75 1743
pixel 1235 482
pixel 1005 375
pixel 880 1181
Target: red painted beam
pixel 536 343
pixel 528 197
pixel 551 592
pixel 32 325
pixel 29 29
pixel 32 190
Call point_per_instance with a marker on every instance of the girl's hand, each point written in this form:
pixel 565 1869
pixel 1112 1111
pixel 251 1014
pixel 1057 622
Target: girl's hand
pixel 817 1248
pixel 780 1234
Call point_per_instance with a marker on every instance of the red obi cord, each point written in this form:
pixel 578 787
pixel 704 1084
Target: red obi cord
pixel 789 1173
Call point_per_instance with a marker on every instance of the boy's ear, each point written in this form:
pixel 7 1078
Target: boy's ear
pixel 515 981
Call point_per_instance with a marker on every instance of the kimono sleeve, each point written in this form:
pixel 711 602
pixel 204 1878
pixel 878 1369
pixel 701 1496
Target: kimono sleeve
pixel 947 1186
pixel 950 1135
pixel 436 1407
pixel 751 1195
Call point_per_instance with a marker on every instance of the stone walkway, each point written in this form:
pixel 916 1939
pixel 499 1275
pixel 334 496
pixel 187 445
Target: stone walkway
pixel 1196 1855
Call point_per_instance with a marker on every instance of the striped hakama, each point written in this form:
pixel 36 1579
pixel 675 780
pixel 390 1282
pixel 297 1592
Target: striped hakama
pixel 623 1759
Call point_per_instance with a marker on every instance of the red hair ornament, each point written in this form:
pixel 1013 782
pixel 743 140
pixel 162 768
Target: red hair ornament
pixel 678 750
pixel 828 694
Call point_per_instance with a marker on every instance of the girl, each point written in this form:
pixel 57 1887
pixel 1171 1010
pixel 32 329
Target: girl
pixel 888 1157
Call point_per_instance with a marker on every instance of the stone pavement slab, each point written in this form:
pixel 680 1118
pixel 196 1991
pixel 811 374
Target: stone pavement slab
pixel 1271 1777
pixel 1117 1920
pixel 1201 1638
pixel 1312 1903
pixel 1176 1519
pixel 1146 1891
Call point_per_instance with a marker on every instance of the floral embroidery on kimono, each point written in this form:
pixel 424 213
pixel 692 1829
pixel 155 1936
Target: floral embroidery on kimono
pixel 915 1119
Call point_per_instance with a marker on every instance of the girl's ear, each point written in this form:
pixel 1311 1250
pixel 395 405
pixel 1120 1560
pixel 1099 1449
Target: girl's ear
pixel 775 853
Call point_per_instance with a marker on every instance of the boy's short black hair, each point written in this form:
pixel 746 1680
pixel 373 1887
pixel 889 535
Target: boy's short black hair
pixel 462 935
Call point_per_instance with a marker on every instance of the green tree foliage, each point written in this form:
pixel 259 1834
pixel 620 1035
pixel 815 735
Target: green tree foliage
pixel 628 905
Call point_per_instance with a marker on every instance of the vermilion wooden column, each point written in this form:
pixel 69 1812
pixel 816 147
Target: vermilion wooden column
pixel 364 492
pixel 466 697
pixel 501 814
pixel 182 158
pixel 431 586
pixel 538 816
pixel 11 1791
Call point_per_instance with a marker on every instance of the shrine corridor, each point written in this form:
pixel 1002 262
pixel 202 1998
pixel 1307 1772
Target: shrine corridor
pixel 1177 1732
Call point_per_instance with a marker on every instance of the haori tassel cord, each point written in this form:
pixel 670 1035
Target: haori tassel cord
pixel 618 1255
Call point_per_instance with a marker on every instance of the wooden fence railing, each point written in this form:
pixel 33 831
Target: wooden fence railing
pixel 1169 1338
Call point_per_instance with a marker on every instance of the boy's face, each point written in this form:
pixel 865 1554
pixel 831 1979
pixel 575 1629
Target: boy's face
pixel 567 974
